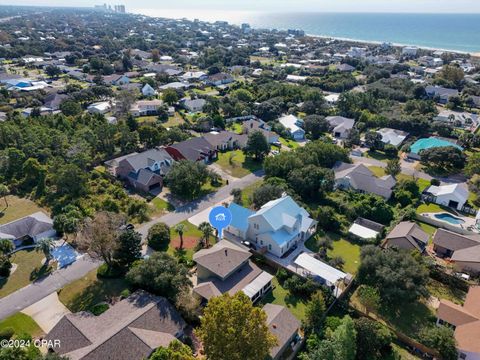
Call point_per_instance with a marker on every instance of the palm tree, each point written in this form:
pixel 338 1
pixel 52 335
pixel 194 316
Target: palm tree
pixel 207 231
pixel 4 192
pixel 6 246
pixel 46 246
pixel 179 229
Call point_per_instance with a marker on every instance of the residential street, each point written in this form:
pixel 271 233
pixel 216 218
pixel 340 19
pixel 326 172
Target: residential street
pixel 32 293
pixel 408 169
pixel 184 212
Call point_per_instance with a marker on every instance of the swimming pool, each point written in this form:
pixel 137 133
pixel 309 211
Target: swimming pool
pixel 449 218
pixel 431 142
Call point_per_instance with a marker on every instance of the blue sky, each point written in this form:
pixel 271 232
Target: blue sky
pixel 457 6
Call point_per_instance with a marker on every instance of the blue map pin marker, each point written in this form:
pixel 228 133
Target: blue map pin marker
pixel 220 217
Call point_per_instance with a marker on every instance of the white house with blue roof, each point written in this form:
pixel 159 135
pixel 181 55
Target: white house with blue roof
pixel 278 226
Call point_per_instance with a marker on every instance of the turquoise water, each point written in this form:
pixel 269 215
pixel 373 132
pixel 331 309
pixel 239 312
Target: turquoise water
pixel 431 142
pixel 449 218
pixel 460 32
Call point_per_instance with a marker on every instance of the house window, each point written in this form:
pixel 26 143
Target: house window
pixel 261 242
pixel 269 246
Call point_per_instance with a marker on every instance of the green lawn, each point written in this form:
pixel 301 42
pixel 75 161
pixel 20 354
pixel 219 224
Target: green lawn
pixel 248 191
pixel 281 296
pixel 379 172
pixel 429 208
pixel 29 268
pixel 348 251
pixel 17 208
pixel 235 127
pixel 442 291
pixel 174 120
pixel 147 119
pixel 83 294
pixel 410 319
pixel 159 206
pixel 401 354
pixel 429 229
pixel 22 324
pixel 237 164
pixel 289 143
pixel 377 155
pixel 191 236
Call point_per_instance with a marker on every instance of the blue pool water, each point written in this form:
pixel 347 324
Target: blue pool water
pixel 449 218
pixel 431 142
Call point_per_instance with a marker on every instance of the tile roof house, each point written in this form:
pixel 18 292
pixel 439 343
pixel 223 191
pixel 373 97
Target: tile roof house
pixel 194 149
pixel 277 226
pixel 361 178
pixel 226 267
pixel 131 329
pixel 407 235
pixel 36 226
pixel 284 326
pixel 451 195
pixel 463 250
pixel 341 126
pixel 466 322
pixel 259 125
pixel 144 171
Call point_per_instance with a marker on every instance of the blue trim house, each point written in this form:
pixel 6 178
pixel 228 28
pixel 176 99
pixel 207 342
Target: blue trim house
pixel 278 226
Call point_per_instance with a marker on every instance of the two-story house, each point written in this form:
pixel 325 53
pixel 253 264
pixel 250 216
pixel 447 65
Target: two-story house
pixel 146 107
pixel 226 267
pixel 278 226
pixel 145 171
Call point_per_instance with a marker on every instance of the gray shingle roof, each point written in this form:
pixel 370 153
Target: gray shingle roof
pixel 193 149
pixel 282 324
pixel 411 231
pixel 31 225
pixel 453 241
pixel 130 329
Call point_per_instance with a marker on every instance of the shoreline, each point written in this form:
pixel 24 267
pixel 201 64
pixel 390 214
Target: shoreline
pixel 475 53
pixel 378 42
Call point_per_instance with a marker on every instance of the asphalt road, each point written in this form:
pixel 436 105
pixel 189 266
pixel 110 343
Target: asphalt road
pixel 184 212
pixel 36 291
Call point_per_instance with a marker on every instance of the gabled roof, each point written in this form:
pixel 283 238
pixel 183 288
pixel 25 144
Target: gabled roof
pixel 282 212
pixel 222 137
pixel 362 178
pixel 222 259
pixel 132 328
pixel 31 225
pixel 147 158
pixel 193 149
pixel 441 190
pixel 410 231
pixel 340 122
pixel 470 255
pixel 282 324
pixel 453 241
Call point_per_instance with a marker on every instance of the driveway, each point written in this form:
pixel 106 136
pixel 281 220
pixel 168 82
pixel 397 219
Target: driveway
pixel 38 290
pixel 187 211
pixel 47 312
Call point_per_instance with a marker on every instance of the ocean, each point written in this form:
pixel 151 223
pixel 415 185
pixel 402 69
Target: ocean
pixel 459 32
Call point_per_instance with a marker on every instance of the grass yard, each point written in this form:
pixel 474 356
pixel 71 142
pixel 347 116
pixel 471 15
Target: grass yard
pixel 248 191
pixel 147 119
pixel 22 324
pixel 399 353
pixel 191 236
pixel 235 127
pixel 429 229
pixel 379 172
pixel 281 296
pixel 409 320
pixel 442 291
pixel 209 188
pixel 17 208
pixel 29 268
pixel 174 120
pixel 159 206
pixel 377 155
pixel 348 251
pixel 237 164
pixel 430 208
pixel 83 294
pixel 289 143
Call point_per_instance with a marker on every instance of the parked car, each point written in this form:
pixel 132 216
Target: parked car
pixel 248 244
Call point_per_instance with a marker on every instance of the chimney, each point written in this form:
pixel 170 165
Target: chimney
pixel 226 252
